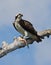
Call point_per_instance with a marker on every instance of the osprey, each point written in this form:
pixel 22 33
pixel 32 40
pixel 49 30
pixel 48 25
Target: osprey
pixel 25 28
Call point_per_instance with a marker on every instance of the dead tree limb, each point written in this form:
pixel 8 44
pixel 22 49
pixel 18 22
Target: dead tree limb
pixel 17 43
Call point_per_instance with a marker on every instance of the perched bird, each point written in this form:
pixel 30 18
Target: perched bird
pixel 25 28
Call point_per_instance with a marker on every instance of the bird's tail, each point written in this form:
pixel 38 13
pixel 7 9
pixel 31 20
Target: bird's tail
pixel 39 38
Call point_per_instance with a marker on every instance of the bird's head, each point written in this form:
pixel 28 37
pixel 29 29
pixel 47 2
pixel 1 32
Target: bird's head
pixel 19 16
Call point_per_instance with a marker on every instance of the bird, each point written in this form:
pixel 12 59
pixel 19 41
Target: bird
pixel 26 28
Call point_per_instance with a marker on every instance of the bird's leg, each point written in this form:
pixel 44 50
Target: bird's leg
pixel 25 37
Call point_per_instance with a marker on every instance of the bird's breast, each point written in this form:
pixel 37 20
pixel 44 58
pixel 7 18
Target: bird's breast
pixel 19 28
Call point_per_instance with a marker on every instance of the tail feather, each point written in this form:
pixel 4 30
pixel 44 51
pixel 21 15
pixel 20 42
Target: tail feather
pixel 39 39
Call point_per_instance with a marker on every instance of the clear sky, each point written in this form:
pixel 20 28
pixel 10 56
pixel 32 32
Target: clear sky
pixel 38 12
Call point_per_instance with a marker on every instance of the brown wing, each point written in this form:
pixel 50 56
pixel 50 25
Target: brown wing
pixel 28 26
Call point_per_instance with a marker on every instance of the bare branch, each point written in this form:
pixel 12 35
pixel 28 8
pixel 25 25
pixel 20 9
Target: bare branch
pixel 18 43
pixel 45 33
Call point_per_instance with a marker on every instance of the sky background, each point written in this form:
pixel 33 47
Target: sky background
pixel 38 12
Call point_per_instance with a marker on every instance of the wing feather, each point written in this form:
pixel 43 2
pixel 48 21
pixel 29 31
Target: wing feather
pixel 28 26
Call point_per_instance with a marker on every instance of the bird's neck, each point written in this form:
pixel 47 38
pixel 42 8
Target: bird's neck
pixel 18 20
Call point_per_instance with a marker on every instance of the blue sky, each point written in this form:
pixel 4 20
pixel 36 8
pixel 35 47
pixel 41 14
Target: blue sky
pixel 38 12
